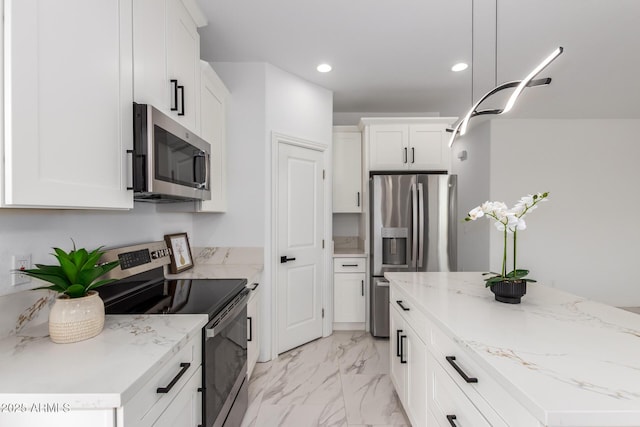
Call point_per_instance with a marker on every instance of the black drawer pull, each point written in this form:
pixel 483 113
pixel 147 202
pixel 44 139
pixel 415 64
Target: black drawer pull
pixel 362 286
pixel 175 379
pixel 358 199
pixel 451 419
pixel 402 359
pixel 398 349
pixel 255 286
pixel 349 265
pixel 399 302
pixel 452 362
pixel 250 328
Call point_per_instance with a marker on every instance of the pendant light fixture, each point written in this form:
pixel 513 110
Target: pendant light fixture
pixel 519 85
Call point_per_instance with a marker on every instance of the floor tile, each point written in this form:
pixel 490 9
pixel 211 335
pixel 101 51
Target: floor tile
pixel 370 399
pixel 341 380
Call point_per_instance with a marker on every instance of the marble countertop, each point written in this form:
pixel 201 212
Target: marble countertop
pixel 568 360
pixel 101 372
pixel 349 253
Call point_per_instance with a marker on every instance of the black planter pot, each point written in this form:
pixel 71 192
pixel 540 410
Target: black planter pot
pixel 509 291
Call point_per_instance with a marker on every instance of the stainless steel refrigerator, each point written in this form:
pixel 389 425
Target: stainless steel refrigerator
pixel 413 228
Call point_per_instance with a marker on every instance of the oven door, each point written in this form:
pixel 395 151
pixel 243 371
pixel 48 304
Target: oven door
pixel 225 395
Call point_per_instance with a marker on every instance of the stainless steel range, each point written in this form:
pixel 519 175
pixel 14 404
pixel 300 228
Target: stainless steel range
pixel 142 289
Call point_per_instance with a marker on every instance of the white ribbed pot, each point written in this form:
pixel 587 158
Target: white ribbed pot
pixel 76 319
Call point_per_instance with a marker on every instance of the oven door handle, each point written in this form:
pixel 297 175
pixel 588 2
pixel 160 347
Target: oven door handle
pixel 221 323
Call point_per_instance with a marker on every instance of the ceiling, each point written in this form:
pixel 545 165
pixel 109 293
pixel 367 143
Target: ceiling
pixel 394 56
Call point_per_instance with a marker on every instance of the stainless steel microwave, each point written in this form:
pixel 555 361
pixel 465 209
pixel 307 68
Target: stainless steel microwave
pixel 170 163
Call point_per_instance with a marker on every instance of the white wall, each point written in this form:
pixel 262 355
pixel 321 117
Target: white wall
pixel 35 232
pixel 473 189
pixel 244 223
pixel 584 239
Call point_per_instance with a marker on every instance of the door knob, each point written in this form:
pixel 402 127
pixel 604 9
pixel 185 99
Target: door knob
pixel 284 259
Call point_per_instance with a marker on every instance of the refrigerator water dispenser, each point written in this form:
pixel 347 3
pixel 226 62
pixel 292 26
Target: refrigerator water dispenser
pixel 394 246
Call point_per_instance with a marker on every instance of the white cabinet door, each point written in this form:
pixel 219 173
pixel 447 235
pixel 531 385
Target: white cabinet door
pixel 186 409
pixel 166 47
pixel 348 297
pixel 213 123
pixel 388 147
pixel 347 172
pixel 397 369
pixel 253 330
pixel 428 148
pixel 67 103
pixel 183 63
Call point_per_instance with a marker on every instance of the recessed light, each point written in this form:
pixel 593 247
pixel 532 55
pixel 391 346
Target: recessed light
pixel 324 68
pixel 460 66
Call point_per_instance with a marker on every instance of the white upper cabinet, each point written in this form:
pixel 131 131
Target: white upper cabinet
pixel 67 104
pixel 213 118
pixel 166 47
pixel 347 169
pixel 418 144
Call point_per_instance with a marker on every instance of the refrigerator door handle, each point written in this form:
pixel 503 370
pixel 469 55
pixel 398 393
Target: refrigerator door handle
pixel 420 224
pixel 414 241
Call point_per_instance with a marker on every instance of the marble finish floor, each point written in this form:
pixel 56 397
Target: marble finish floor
pixel 342 380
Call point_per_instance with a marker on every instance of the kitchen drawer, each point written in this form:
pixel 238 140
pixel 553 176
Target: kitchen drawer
pixel 147 405
pixel 349 265
pixel 410 313
pixel 486 394
pixel 445 400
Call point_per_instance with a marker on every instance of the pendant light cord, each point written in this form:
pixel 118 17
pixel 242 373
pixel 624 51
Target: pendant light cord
pixel 472 48
pixel 495 77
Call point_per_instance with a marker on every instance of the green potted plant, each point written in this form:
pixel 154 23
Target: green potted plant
pixel 508 287
pixel 78 312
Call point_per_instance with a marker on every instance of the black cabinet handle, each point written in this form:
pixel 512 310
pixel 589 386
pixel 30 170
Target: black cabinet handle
pixel 398 348
pixel 358 199
pixel 399 302
pixel 130 187
pixel 405 154
pixel 255 286
pixel 452 362
pixel 250 338
pixel 349 265
pixel 402 359
pixel 284 259
pixel 451 419
pixel 175 379
pixel 174 101
pixel 413 154
pixel 181 112
pixel 362 286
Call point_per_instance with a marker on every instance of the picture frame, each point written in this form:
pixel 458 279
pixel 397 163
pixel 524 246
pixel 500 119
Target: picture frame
pixel 181 258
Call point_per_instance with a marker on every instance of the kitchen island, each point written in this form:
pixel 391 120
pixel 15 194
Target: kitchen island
pixel 556 359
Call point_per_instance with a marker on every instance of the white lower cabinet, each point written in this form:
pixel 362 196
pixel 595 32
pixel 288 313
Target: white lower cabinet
pixel 408 367
pixel 447 403
pixel 186 409
pixel 349 290
pixel 253 329
pixel 171 396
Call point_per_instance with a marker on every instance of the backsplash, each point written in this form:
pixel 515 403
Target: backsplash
pixel 352 242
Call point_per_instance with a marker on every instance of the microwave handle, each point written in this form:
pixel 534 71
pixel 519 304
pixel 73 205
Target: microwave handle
pixel 207 161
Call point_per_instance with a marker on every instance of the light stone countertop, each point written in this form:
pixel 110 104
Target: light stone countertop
pixel 349 253
pixel 102 372
pixel 568 360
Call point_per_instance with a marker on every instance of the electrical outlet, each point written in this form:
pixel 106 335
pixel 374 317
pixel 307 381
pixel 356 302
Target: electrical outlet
pixel 20 262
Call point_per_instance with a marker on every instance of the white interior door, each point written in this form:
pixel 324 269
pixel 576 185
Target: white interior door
pixel 300 231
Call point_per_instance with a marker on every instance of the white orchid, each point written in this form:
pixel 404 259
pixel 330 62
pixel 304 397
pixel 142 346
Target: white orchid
pixel 508 221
